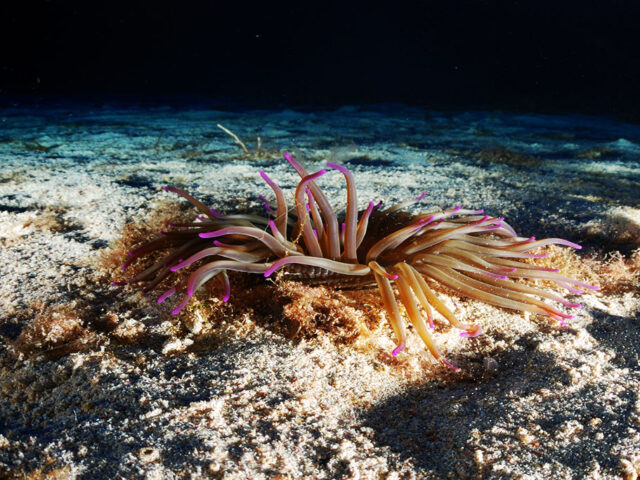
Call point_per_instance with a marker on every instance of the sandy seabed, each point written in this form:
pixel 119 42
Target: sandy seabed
pixel 98 381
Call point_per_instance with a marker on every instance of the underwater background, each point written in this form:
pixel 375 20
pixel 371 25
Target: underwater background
pixel 528 110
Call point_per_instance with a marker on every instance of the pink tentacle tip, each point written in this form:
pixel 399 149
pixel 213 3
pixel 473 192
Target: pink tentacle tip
pixel 472 332
pixel 166 294
pixel 215 213
pixel 422 195
pixel 448 364
pixel 495 275
pixel 288 156
pixel 226 298
pixel 340 168
pixel 456 208
pixel 266 178
pixel 398 349
pixel 178 265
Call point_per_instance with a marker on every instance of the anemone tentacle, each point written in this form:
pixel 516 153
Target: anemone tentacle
pixel 475 254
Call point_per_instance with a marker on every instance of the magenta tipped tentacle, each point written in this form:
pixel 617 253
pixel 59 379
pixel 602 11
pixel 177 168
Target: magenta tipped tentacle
pixel 266 178
pixel 494 275
pixel 317 219
pixel 227 286
pixel 267 207
pixel 281 204
pixel 331 228
pixel 193 201
pixel 181 305
pixel 330 265
pixel 195 257
pixel 547 241
pixel 567 286
pixel 214 213
pixel 351 216
pixel 166 294
pixel 448 364
pixel 268 240
pixel 310 240
pixel 363 224
pixel 401 346
pixel 472 332
pixel 127 263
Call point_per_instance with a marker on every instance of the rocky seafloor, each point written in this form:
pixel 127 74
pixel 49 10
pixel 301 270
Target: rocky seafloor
pixel 99 381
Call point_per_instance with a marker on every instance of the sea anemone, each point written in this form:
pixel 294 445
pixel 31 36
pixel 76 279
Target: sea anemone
pixel 477 255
